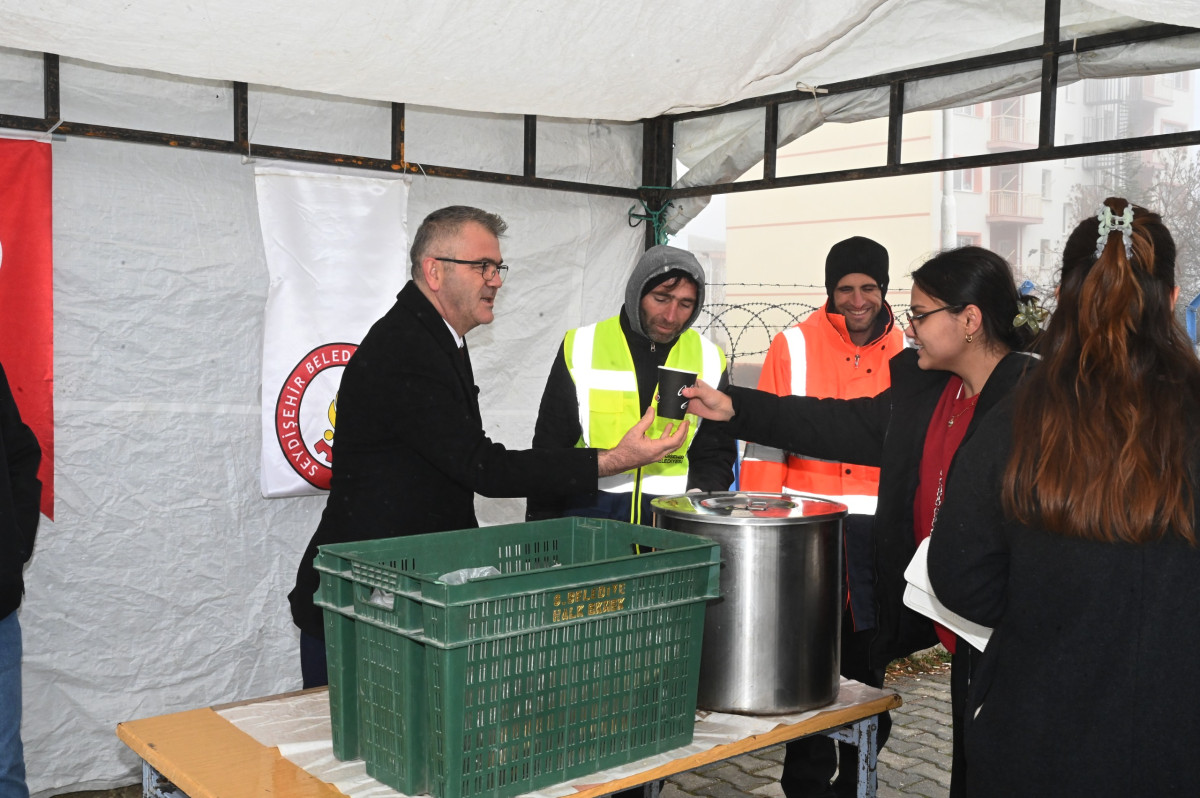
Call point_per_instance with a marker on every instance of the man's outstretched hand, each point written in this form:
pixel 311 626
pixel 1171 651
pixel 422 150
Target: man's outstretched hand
pixel 636 449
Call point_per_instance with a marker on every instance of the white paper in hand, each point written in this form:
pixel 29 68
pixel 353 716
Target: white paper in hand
pixel 919 596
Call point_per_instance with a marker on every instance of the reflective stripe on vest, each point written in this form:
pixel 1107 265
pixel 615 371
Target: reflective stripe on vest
pixel 857 504
pixel 798 352
pixel 602 368
pixel 818 477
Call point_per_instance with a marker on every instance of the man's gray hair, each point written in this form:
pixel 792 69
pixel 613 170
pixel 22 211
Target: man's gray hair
pixel 445 223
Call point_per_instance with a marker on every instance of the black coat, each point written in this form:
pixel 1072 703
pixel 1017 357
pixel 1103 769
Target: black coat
pixel 20 494
pixel 887 431
pixel 410 452
pixel 1090 684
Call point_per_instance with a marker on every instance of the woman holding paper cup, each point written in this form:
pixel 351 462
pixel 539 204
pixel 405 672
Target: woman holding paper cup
pixel 966 328
pixel 1071 527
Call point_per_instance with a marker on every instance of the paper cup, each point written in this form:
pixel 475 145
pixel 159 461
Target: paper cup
pixel 671 382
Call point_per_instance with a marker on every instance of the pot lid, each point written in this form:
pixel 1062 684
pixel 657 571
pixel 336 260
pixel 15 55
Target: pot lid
pixel 749 507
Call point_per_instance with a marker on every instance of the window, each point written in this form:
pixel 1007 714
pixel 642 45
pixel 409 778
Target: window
pixel 1178 80
pixel 1068 139
pixel 968 180
pixel 1047 184
pixel 970 239
pixel 1006 243
pixel 975 111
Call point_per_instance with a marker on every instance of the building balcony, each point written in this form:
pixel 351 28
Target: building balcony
pixel 1106 92
pixel 1156 90
pixel 1012 133
pixel 1150 89
pixel 1106 162
pixel 1014 207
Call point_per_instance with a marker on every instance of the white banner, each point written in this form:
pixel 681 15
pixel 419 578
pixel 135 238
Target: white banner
pixel 335 247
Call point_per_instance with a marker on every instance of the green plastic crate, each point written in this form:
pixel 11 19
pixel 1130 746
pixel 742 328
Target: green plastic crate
pixel 582 655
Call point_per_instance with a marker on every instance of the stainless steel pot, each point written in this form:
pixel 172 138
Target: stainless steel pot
pixel 772 641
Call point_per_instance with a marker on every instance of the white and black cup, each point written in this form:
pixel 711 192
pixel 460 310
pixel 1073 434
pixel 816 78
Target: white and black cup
pixel 671 401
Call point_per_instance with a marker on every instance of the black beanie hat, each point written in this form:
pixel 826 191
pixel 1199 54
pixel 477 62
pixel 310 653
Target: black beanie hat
pixel 856 255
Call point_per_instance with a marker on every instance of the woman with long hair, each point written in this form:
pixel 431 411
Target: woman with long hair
pixel 965 356
pixel 1070 527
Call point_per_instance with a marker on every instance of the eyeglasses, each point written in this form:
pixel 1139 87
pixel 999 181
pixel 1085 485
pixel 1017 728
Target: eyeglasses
pixel 487 268
pixel 910 317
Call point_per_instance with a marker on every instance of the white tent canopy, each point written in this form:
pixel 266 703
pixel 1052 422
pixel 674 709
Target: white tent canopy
pixel 577 60
pixel 160 585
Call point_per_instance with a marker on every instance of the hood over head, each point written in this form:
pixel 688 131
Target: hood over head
pixel 656 266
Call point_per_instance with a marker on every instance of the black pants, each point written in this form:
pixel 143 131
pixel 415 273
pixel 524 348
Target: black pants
pixel 810 763
pixel 312 661
pixel 962 666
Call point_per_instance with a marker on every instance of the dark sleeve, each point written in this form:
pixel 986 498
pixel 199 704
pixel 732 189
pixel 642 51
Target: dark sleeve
pixel 969 549
pixel 420 401
pixel 557 427
pixel 22 455
pixel 846 430
pixel 712 453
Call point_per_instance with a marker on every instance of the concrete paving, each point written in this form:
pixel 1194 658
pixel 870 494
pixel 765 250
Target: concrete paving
pixel 915 761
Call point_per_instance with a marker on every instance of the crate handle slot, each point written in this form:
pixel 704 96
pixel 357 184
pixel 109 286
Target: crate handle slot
pixel 382 599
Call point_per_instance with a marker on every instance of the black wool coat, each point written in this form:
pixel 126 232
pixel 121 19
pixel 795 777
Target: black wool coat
pixel 20 493
pixel 887 431
pixel 1090 684
pixel 410 451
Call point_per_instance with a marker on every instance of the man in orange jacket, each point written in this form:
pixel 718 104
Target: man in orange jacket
pixel 841 350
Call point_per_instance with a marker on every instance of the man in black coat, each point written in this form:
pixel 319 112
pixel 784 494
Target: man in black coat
pixel 411 449
pixel 20 494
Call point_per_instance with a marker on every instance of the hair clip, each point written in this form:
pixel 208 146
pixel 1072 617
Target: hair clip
pixel 1111 224
pixel 1031 314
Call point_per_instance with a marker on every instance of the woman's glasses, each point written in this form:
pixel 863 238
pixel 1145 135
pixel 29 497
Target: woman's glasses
pixel 910 317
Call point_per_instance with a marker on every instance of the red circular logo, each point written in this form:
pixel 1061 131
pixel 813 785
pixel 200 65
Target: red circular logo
pixel 306 412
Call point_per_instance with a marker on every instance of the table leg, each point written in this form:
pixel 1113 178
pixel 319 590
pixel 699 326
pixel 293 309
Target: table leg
pixel 863 734
pixel 155 785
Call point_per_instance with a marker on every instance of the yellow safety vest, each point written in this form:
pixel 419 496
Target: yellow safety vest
pixel 606 388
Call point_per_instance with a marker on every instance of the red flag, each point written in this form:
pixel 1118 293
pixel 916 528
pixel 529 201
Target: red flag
pixel 26 293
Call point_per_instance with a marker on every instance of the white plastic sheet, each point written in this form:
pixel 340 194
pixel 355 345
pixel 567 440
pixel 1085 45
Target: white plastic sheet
pixel 299 726
pixel 161 585
pixel 622 61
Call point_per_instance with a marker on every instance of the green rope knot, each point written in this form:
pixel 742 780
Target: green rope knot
pixel 656 218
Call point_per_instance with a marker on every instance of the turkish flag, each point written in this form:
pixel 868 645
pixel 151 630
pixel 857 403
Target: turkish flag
pixel 27 293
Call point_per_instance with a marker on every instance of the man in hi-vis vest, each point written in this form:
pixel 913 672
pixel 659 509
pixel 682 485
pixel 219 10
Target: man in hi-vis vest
pixel 841 351
pixel 607 372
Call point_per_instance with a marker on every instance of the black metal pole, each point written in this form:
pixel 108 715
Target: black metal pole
pixel 658 161
pixel 1049 75
pixel 51 98
pixel 530 145
pixel 895 145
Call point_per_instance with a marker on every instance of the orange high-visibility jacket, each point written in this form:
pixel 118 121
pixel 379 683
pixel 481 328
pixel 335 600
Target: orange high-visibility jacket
pixel 817 358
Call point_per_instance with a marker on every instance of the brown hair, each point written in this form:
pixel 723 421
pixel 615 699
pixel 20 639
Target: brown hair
pixel 1106 430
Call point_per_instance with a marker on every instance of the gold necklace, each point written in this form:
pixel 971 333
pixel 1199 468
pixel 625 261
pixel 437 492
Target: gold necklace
pixel 970 406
